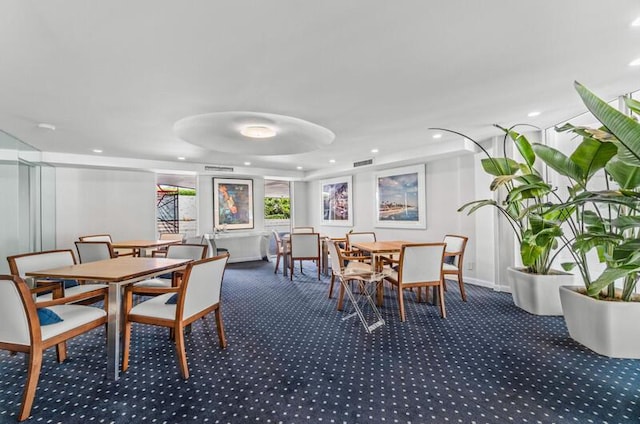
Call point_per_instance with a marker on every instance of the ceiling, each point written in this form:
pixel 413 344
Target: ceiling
pixel 117 75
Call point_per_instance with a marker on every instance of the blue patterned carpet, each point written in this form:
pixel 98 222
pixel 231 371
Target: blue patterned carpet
pixel 291 359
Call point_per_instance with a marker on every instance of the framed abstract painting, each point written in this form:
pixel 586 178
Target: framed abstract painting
pixel 400 198
pixel 337 201
pixel 232 204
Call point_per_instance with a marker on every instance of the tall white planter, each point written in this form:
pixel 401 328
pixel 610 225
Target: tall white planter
pixel 538 294
pixel 607 328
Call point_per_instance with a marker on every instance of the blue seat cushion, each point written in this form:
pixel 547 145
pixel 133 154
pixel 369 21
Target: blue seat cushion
pixel 46 316
pixel 172 300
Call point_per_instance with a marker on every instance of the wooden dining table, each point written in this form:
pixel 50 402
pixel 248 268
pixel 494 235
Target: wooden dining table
pixel 138 245
pixel 117 273
pixel 377 249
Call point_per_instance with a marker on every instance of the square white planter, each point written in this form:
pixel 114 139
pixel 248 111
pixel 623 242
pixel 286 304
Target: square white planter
pixel 538 294
pixel 607 328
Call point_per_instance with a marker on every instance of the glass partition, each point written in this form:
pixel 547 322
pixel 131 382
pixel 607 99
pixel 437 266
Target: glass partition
pixel 27 187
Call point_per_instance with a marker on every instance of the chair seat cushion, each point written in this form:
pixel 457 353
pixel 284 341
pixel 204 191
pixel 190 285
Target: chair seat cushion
pixel 156 308
pixel 72 316
pixel 449 267
pixel 154 282
pixel 356 266
pixel 47 317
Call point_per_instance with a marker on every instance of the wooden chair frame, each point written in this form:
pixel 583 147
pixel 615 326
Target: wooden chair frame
pixel 178 324
pixel 316 258
pixel 460 262
pixel 86 298
pixel 420 284
pixel 38 346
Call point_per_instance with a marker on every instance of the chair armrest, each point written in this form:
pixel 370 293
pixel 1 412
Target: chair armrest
pixel 151 290
pixel 45 286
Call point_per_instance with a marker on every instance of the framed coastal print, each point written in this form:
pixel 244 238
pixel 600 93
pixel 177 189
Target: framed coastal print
pixel 232 204
pixel 400 198
pixel 337 201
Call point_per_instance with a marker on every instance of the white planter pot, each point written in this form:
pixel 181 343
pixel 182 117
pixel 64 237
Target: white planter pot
pixel 607 328
pixel 538 294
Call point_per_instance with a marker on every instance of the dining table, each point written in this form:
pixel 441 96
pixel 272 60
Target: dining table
pixel 117 273
pixel 378 249
pixel 138 245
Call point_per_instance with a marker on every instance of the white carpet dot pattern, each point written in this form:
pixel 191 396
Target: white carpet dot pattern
pixel 291 359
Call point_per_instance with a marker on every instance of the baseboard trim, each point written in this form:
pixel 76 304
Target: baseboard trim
pixel 487 284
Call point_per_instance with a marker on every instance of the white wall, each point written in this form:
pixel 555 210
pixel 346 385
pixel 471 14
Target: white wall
pixel 204 192
pixel 450 183
pixel 98 201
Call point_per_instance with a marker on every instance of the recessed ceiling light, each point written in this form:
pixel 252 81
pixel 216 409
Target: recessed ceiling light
pixel 374 150
pixel 97 150
pixel 635 62
pixel 298 167
pixel 180 157
pixel 258 131
pixel 247 163
pixel 46 126
pixel 438 135
pixel 636 22
pixel 532 114
pixel 332 161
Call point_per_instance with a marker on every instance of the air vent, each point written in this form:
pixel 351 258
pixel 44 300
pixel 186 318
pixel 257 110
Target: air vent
pixel 218 168
pixel 363 163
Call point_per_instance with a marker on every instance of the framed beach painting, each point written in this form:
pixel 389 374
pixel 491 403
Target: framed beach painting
pixel 232 204
pixel 337 201
pixel 400 198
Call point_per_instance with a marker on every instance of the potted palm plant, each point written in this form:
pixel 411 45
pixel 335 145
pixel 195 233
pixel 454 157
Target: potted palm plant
pixel 536 223
pixel 600 315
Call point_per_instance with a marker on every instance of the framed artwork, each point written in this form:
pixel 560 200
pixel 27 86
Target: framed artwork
pixel 400 198
pixel 232 203
pixel 337 201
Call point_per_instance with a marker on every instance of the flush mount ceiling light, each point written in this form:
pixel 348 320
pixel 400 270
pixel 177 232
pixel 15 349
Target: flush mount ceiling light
pixel 635 62
pixel 46 126
pixel 256 133
pixel 533 114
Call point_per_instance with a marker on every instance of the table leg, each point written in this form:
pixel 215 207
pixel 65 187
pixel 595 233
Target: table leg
pixel 285 258
pixel 113 331
pixel 325 257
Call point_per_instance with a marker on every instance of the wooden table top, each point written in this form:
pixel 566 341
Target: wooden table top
pixel 112 270
pixel 381 246
pixel 142 244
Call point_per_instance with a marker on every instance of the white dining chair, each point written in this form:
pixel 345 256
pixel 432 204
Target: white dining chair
pixel 92 251
pixel 453 263
pixel 21 330
pixel 198 295
pixel 304 246
pixel 420 266
pixel 175 251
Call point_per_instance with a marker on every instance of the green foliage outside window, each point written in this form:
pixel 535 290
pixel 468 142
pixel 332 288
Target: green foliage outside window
pixel 277 208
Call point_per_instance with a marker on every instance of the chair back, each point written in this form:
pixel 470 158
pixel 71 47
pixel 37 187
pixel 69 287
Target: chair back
pixel 421 262
pixel 278 241
pixel 171 236
pixel 19 265
pixel 455 247
pixel 97 237
pixel 336 258
pixel 305 245
pixel 17 312
pixel 92 251
pixel 302 230
pixel 196 240
pixel 187 251
pixel 362 237
pixel 202 285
